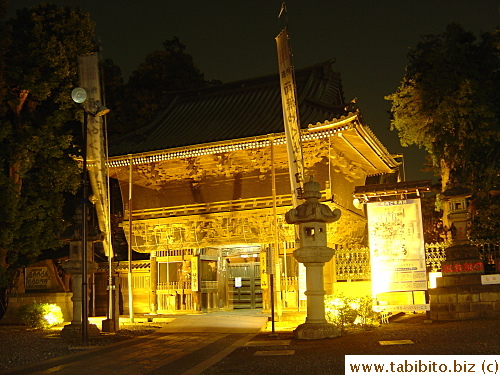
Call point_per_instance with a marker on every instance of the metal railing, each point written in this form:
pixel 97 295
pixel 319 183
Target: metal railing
pixel 174 253
pixel 489 252
pixel 174 285
pixel 353 263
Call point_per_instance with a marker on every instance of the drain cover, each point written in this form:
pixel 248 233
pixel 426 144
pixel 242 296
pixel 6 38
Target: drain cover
pixel 265 353
pixel 268 343
pixel 396 342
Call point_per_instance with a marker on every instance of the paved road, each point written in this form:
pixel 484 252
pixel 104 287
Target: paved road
pixel 409 334
pixel 233 343
pixel 189 344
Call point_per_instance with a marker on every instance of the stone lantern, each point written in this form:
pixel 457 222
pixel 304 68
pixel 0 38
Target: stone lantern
pixel 462 292
pixel 456 200
pixel 460 250
pixel 311 217
pixel 73 266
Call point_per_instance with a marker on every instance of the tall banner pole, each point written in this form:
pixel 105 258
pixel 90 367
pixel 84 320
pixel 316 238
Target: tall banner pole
pixel 129 275
pixel 276 269
pixel 291 117
pixel 95 151
pixel 290 114
pixel 96 146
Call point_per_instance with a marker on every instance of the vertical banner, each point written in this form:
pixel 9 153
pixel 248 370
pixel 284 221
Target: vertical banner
pixel 290 113
pixel 271 260
pixel 96 145
pixel 264 277
pixel 194 274
pixel 397 250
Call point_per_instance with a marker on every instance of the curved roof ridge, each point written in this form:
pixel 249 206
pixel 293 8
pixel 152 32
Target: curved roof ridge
pixel 239 109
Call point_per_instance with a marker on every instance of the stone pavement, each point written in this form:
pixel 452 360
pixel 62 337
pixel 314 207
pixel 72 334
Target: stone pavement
pixel 188 344
pixel 233 343
pixel 406 335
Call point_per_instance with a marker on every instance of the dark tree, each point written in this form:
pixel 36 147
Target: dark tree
pixel 37 133
pixel 449 102
pixel 168 70
pixel 113 97
pixel 4 40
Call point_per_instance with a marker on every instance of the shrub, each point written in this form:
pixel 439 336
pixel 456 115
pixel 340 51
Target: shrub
pixel 339 311
pixel 367 317
pixel 345 312
pixel 40 315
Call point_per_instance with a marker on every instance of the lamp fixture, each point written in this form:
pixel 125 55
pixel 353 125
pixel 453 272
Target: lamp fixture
pixel 79 95
pixel 101 110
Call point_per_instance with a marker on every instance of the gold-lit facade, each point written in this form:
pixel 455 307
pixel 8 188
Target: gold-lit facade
pixel 206 212
pixel 215 201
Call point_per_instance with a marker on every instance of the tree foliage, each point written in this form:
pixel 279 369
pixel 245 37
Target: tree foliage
pixel 448 103
pixel 136 103
pixel 46 41
pixel 434 230
pixel 4 39
pixel 37 133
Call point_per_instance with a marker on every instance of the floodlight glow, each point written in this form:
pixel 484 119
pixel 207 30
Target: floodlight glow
pixel 53 315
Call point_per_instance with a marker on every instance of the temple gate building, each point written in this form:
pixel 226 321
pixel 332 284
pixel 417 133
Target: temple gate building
pixel 204 182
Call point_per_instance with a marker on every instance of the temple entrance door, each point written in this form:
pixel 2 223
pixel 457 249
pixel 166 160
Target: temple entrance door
pixel 244 291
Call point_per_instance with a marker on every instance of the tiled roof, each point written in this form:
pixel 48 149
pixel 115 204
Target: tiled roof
pixel 236 110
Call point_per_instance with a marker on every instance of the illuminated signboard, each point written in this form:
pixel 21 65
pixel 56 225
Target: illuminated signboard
pixel 397 249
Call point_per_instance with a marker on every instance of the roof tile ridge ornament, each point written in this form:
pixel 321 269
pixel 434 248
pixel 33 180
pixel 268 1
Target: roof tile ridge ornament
pixel 312 210
pixel 348 119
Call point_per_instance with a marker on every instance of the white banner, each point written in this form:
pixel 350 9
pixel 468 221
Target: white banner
pixel 96 146
pixel 397 250
pixel 290 113
pixel 302 282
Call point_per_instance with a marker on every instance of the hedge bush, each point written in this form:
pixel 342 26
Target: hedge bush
pixel 40 315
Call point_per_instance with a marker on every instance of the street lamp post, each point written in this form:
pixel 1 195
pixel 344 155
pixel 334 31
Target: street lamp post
pixel 79 96
pixel 85 313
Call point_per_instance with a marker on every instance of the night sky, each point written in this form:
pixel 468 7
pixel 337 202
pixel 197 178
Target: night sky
pixel 234 39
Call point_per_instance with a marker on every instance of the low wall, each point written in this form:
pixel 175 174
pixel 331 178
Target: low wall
pixel 463 297
pixel 63 300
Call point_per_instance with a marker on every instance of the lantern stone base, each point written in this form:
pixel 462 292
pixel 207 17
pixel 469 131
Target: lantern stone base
pixel 110 325
pixel 74 331
pixel 463 297
pixel 314 331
